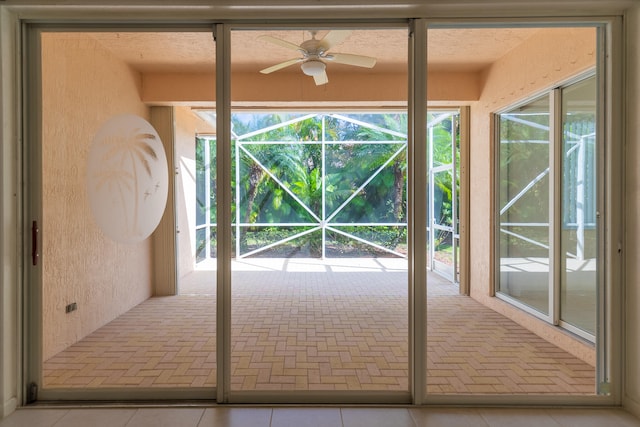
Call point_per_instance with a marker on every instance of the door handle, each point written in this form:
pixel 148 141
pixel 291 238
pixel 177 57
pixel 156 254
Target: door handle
pixel 34 243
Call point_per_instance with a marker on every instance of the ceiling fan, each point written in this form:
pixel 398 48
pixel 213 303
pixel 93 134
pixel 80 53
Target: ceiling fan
pixel 315 55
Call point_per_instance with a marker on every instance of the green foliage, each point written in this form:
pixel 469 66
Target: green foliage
pixel 307 168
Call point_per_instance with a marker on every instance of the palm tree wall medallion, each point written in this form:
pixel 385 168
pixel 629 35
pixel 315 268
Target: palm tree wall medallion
pixel 127 178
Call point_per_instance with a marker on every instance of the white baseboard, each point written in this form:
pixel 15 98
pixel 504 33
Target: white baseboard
pixel 8 407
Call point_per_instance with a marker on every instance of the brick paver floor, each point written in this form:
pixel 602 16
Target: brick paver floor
pixel 310 325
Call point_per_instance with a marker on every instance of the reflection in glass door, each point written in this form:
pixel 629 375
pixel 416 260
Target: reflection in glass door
pixel 319 270
pixel 524 208
pixel 528 256
pixel 579 241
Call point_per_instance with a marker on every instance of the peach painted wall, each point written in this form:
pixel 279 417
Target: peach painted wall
pixel 83 86
pixel 159 88
pixel 188 125
pixel 632 297
pixel 548 57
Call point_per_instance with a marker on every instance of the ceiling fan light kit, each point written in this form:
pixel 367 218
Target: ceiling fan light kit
pixel 314 53
pixel 313 67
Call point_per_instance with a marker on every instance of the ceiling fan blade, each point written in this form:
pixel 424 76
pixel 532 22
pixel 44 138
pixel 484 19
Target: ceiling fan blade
pixel 281 65
pixel 349 59
pixel 333 38
pixel 321 79
pixel 280 42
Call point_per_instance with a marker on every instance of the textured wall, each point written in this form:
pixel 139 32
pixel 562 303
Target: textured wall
pixel 549 57
pixel 83 86
pixel 295 86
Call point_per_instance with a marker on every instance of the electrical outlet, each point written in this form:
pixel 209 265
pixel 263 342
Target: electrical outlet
pixel 71 307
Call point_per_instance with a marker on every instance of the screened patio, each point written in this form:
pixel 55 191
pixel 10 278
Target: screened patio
pixel 321 325
pixel 320 277
pixel 330 185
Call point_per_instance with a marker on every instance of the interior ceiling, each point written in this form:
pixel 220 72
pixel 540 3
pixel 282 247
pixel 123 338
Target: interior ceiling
pixel 448 49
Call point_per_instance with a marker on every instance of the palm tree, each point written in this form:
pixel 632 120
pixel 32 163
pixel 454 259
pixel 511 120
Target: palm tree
pixel 299 185
pixel 363 159
pixel 297 166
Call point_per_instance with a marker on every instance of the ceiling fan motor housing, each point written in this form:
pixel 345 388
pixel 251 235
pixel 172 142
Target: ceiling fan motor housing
pixel 312 47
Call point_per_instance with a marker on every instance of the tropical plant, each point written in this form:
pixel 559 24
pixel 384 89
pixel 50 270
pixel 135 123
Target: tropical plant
pixel 323 170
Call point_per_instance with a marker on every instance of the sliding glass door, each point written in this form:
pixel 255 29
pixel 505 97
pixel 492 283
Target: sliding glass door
pixel 121 309
pixel 253 221
pixel 319 282
pixel 544 239
pixel 443 140
pixel 548 206
pixel 579 211
pixel 524 204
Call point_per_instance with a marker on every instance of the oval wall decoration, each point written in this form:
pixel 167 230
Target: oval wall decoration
pixel 127 178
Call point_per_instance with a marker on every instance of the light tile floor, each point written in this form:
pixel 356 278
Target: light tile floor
pixel 318 417
pixel 303 324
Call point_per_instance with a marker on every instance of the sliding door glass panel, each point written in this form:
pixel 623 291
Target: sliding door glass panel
pixel 524 204
pixel 472 348
pixel 205 202
pixel 443 242
pixel 456 255
pixel 319 275
pixel 442 191
pixel 578 287
pixel 429 190
pixel 112 318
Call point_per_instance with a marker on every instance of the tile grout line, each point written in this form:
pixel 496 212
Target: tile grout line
pixel 132 416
